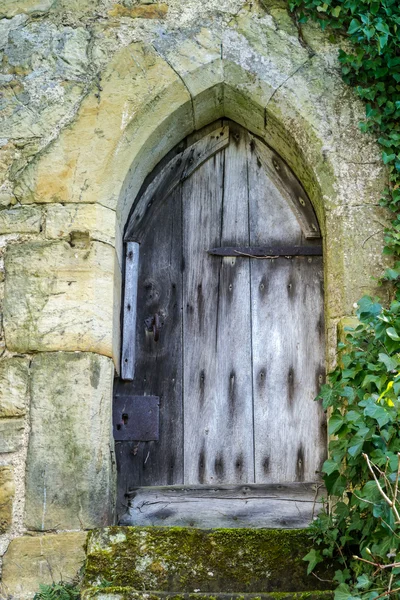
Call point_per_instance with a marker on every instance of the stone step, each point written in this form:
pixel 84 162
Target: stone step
pixel 178 561
pixel 129 594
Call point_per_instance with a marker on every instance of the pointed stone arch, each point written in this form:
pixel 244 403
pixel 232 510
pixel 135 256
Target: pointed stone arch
pixel 152 96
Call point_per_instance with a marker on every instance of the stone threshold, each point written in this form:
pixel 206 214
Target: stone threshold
pixel 124 593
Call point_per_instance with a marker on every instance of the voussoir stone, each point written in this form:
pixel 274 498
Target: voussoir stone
pixel 70 474
pixel 14 382
pixel 59 296
pixel 6 497
pixel 30 561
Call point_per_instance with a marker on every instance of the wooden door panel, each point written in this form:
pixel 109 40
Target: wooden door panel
pixel 271 219
pixel 216 341
pixel 287 363
pixel 241 349
pixel 158 364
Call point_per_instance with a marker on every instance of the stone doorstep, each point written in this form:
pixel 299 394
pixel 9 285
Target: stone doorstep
pixel 119 593
pixel 178 561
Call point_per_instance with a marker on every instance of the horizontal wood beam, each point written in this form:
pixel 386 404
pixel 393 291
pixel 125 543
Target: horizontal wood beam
pixel 267 251
pixel 288 506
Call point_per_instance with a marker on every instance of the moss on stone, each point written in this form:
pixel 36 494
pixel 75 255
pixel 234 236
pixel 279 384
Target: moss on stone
pixel 176 559
pixel 122 593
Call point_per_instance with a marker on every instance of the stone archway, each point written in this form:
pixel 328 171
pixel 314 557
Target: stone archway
pixel 63 283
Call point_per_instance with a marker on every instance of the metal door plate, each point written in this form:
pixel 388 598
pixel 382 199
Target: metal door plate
pixel 136 418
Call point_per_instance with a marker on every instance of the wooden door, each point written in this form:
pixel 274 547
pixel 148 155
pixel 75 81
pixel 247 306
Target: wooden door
pixel 229 327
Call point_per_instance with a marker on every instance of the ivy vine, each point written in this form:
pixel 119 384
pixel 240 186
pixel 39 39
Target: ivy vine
pixel 362 530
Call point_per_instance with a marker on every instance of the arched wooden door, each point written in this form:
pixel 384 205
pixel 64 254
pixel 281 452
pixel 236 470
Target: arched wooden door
pixel 224 253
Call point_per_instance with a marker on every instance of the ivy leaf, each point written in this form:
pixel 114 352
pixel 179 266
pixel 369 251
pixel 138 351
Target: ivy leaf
pixel 378 413
pixel 387 158
pixel 330 466
pixel 335 423
pixel 343 593
pixel 363 582
pixel 392 333
pixel 390 362
pixel 368 308
pixel 354 26
pixel 313 557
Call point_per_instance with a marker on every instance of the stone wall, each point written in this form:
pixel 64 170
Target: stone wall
pixel 94 94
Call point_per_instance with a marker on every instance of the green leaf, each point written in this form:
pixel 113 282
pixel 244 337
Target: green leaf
pixel 313 557
pixel 363 582
pixel 387 158
pixel 392 333
pixel 335 423
pixel 379 413
pixel 354 26
pixel 330 466
pixel 390 362
pixel 343 592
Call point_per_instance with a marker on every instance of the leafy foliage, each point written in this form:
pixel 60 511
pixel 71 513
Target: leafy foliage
pixel 57 591
pixel 362 531
pixel 373 69
pixel 363 397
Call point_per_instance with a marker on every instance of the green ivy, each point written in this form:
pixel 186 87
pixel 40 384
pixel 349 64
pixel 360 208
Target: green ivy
pixel 57 591
pixel 363 397
pixel 362 529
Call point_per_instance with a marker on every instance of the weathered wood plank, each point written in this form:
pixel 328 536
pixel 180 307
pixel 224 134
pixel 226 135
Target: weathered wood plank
pixel 128 354
pixel 158 363
pixel 288 344
pixel 297 491
pixel 227 506
pixel 217 387
pixel 266 251
pixel 178 169
pixel 288 358
pixel 289 186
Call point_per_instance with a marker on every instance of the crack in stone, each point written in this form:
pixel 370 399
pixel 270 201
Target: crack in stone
pixel 182 80
pixel 281 85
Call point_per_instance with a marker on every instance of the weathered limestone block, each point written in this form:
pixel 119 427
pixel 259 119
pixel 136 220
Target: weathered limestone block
pixel 10 8
pixel 70 475
pixel 30 561
pixel 11 432
pixel 148 10
pixel 14 381
pixel 198 61
pixel 97 220
pixel 60 296
pixel 139 93
pixel 25 219
pixel 353 254
pixel 6 497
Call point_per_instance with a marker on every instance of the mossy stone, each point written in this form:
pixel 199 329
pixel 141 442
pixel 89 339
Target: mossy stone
pixel 175 559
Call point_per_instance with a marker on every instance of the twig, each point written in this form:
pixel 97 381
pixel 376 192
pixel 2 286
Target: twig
pixel 396 485
pixel 375 564
pixel 319 578
pixel 387 593
pixel 382 493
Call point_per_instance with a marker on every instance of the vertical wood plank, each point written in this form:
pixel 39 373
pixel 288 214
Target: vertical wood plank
pixel 217 349
pixel 130 310
pixel 158 363
pixel 288 345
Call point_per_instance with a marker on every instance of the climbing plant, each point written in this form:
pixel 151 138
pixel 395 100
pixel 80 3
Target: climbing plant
pixel 362 531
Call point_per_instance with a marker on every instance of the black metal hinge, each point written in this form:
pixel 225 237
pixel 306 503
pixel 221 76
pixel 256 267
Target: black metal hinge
pixel 267 251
